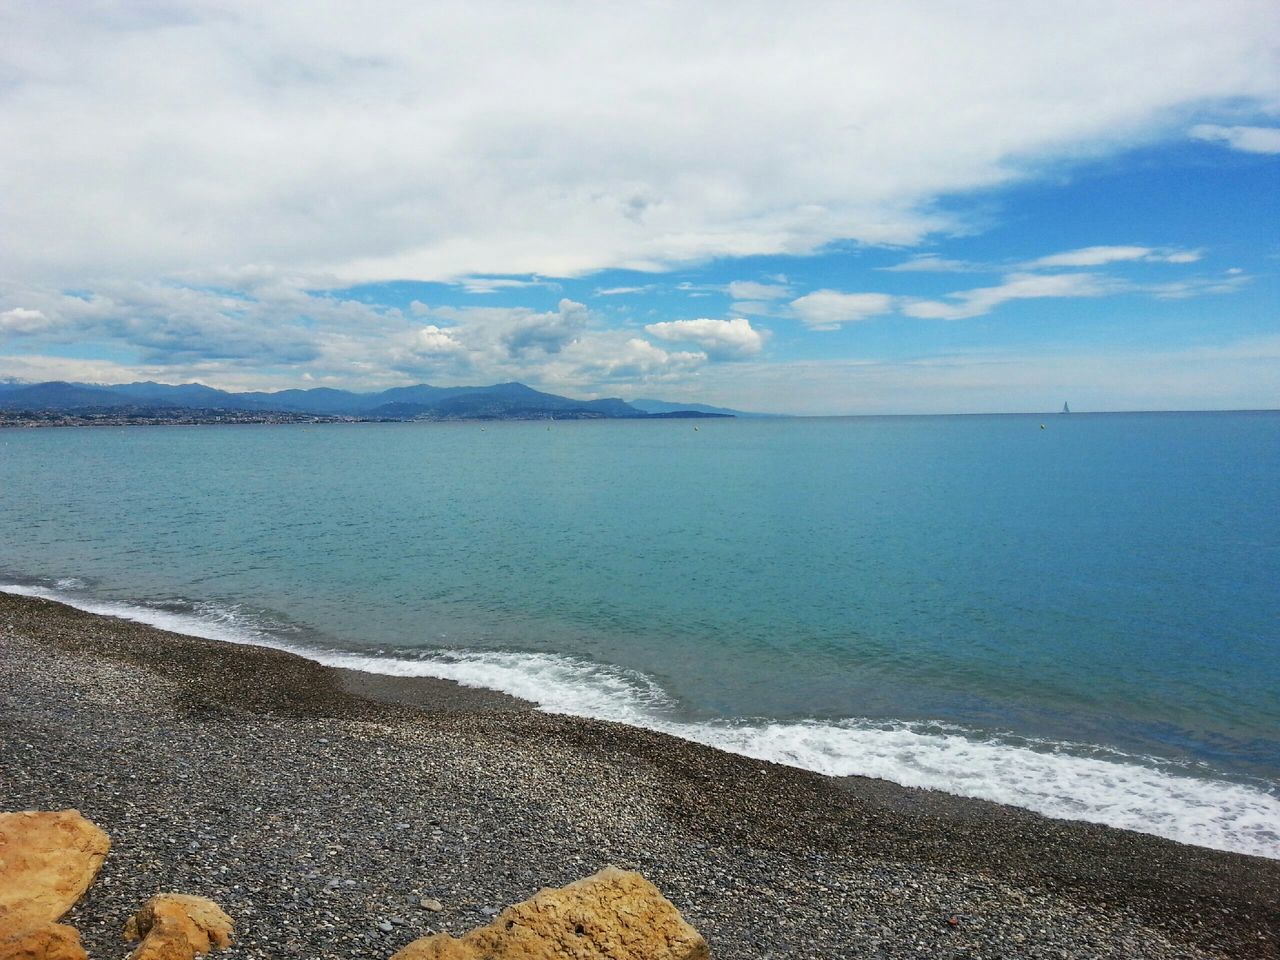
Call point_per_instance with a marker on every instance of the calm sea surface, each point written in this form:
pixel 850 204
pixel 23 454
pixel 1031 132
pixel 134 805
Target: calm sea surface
pixel 1082 619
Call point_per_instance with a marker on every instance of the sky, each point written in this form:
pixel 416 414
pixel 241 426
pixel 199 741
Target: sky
pixel 810 208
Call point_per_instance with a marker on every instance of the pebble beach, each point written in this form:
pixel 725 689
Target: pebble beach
pixel 338 814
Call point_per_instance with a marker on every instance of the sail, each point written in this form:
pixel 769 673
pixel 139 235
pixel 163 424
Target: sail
pixel 1065 408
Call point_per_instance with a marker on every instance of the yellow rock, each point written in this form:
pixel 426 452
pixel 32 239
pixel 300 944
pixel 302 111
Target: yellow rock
pixel 47 861
pixel 47 941
pixel 174 926
pixel 612 915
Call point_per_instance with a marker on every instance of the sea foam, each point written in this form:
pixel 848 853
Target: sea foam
pixel 1068 781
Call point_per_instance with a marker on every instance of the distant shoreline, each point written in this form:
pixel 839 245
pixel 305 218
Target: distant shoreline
pixel 158 735
pixel 189 418
pixel 38 420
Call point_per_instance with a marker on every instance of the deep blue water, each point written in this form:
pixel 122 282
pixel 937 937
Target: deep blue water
pixel 1084 619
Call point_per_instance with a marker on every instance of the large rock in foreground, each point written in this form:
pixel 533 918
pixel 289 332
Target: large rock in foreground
pixel 612 915
pixel 47 861
pixel 174 926
pixel 48 941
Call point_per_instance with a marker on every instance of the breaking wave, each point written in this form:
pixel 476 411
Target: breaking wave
pixel 1064 780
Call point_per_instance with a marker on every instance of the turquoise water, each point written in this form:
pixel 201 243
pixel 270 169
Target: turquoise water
pixel 1083 619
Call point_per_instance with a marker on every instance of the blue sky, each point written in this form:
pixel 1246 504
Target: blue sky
pixel 841 209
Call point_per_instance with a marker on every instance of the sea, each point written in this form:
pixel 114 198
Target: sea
pixel 1076 614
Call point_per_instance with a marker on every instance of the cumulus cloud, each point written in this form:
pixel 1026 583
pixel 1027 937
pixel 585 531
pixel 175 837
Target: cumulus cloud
pixel 563 349
pixel 164 322
pixel 721 339
pixel 271 334
pixel 634 361
pixel 391 141
pixel 828 309
pixel 546 332
pixel 433 340
pixel 1102 255
pixel 21 320
pixel 1248 139
pixel 975 303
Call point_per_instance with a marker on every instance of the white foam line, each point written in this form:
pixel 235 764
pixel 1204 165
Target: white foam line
pixel 1209 813
pixel 216 624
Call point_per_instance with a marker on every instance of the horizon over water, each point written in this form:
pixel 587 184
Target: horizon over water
pixel 1083 620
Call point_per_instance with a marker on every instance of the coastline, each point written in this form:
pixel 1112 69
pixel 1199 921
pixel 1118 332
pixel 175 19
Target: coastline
pixel 258 777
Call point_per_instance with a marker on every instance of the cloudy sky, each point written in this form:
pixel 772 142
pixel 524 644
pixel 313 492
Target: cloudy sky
pixel 811 208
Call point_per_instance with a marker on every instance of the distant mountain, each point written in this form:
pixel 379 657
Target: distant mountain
pixel 58 395
pixel 323 400
pixel 664 406
pixel 499 401
pixel 182 395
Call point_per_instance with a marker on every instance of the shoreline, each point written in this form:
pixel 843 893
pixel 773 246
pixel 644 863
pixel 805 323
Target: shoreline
pixel 1223 813
pixel 474 798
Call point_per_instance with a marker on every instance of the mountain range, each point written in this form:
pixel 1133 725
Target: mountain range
pixel 667 407
pixel 499 401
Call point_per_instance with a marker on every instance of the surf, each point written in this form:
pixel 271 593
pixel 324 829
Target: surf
pixel 1073 781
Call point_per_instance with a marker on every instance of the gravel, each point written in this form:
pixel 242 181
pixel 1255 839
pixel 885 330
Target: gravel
pixel 337 816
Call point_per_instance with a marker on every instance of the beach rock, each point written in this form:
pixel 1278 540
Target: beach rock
pixel 174 926
pixel 47 861
pixel 46 941
pixel 612 915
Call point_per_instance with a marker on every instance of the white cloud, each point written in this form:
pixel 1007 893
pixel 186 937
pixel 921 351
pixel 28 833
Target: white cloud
pixel 433 340
pixel 721 339
pixel 633 361
pixel 1091 257
pixel 975 303
pixel 751 290
pixel 1102 255
pixel 21 320
pixel 546 332
pixel 274 333
pixel 494 284
pixel 929 263
pixel 755 308
pixel 37 368
pixel 164 322
pixel 622 291
pixel 1248 139
pixel 1199 286
pixel 396 141
pixel 828 309
pixel 565 349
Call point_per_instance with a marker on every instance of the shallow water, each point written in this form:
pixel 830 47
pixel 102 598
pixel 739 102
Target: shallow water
pixel 1082 619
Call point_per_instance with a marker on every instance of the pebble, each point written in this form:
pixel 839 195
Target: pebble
pixel 767 862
